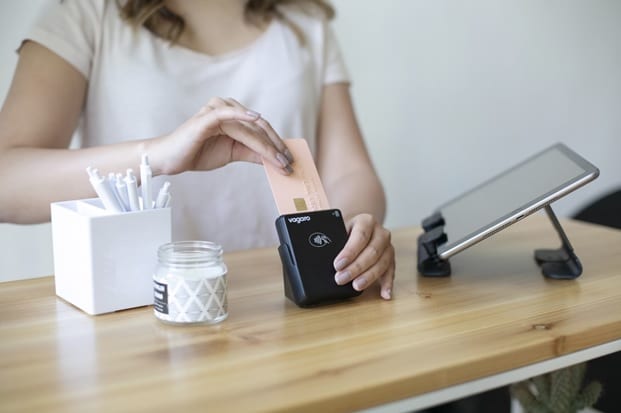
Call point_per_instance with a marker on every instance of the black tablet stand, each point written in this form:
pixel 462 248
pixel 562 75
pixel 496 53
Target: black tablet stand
pixel 429 263
pixel 560 264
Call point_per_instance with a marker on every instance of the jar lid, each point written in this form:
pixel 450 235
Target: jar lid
pixel 190 253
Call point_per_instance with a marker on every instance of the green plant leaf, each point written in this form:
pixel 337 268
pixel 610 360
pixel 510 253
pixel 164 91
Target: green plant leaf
pixel 542 384
pixel 560 395
pixel 589 395
pixel 523 394
pixel 576 377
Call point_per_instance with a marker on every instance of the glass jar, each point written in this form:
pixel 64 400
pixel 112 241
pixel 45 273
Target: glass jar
pixel 189 283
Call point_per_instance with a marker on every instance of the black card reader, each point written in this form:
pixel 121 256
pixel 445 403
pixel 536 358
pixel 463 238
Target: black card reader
pixel 309 243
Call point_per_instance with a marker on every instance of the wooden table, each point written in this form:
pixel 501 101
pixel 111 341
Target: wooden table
pixel 495 316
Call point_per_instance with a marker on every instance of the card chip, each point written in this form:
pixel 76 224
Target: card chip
pixel 300 204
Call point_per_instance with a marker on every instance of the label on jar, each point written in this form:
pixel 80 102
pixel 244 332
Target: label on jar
pixel 181 300
pixel 160 297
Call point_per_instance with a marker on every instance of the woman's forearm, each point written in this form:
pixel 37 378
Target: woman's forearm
pixel 32 178
pixel 222 132
pixel 357 193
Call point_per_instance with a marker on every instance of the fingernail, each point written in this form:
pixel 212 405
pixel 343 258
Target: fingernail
pixel 287 153
pixel 253 114
pixel 387 295
pixel 340 264
pixel 358 284
pixel 282 159
pixel 341 277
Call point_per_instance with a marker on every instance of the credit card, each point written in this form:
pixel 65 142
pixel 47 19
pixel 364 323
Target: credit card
pixel 302 190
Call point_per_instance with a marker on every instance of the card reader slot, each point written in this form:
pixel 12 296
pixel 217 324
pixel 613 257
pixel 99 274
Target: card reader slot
pixel 286 255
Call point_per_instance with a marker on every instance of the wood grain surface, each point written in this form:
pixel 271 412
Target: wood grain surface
pixel 496 312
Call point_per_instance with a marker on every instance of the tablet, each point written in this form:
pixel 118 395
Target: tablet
pixel 511 196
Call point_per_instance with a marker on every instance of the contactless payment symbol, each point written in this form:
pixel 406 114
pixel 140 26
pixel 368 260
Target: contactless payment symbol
pixel 319 239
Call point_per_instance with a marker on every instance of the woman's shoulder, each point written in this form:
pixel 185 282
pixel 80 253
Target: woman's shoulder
pixel 306 15
pixel 76 30
pixel 78 8
pixel 308 21
pixel 76 15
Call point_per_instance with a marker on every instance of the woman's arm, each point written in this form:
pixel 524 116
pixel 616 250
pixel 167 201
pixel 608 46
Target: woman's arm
pixel 42 110
pixel 353 186
pixel 343 161
pixel 37 120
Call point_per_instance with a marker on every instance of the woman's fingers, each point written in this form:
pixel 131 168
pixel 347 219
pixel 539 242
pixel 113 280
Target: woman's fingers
pixel 254 145
pixel 218 102
pixel 371 255
pixel 267 127
pixel 220 117
pixel 222 131
pixel 368 256
pixel 360 233
pixel 382 270
pixel 387 280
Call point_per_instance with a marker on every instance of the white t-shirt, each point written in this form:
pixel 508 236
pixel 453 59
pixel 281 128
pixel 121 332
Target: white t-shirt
pixel 139 86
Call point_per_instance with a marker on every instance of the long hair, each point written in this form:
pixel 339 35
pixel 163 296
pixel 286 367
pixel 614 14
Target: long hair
pixel 161 21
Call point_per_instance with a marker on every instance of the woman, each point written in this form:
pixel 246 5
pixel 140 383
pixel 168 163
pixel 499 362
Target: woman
pixel 140 76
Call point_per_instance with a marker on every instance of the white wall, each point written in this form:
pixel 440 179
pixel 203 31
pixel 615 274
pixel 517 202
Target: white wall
pixel 447 93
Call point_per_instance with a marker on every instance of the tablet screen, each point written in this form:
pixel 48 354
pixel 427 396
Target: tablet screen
pixel 511 195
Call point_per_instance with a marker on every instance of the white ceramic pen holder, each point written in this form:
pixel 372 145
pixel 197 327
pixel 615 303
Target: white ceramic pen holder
pixel 104 261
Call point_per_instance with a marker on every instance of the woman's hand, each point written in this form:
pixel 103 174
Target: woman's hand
pixel 221 132
pixel 367 256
